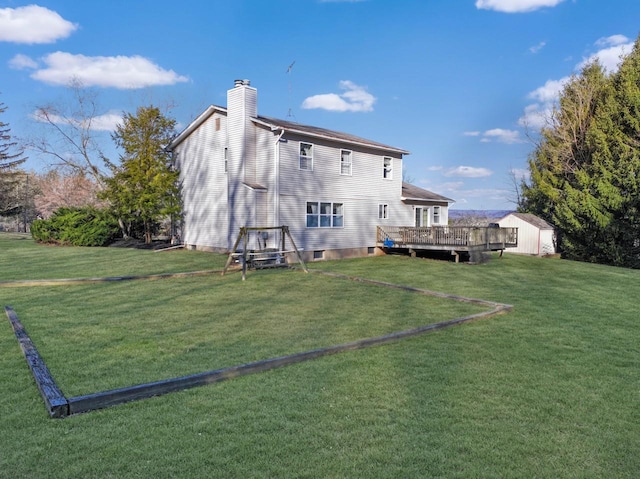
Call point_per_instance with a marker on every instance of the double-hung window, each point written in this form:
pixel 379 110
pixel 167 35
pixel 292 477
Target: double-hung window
pixel 345 162
pixel 383 211
pixel 325 214
pixel 387 168
pixel 436 215
pixel 306 156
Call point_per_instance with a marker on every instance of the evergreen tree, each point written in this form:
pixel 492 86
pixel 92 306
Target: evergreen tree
pixel 143 188
pixel 10 177
pixel 584 172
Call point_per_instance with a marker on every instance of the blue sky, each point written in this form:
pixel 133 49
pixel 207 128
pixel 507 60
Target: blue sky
pixel 461 84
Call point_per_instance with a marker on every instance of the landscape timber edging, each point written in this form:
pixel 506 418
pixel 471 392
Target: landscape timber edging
pixel 59 406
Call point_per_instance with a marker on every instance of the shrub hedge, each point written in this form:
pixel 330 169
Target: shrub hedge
pixel 86 226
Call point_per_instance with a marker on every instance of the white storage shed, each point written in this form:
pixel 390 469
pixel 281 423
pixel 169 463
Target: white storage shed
pixel 535 235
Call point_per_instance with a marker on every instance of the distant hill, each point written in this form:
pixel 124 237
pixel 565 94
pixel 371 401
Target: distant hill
pixel 476 217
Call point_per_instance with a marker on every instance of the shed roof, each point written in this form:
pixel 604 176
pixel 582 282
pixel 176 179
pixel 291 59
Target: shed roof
pixel 532 220
pixel 412 192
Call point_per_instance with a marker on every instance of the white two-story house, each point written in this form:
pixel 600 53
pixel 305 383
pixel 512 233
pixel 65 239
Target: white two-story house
pixel 331 189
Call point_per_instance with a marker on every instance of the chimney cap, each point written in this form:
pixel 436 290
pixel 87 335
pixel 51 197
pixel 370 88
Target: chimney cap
pixel 242 83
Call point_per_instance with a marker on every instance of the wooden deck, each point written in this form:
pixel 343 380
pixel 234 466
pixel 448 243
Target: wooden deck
pixel 456 239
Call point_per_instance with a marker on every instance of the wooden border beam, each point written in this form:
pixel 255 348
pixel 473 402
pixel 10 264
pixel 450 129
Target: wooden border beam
pixel 59 406
pixel 55 402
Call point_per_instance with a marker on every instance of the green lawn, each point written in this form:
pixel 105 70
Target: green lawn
pixel 549 390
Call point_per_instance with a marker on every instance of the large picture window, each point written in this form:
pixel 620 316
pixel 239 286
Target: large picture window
pixel 306 156
pixel 325 214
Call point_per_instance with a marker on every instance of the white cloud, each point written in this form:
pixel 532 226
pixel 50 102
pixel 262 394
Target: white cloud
pixel 515 6
pixel 536 115
pixel 105 122
pixel 118 72
pixel 610 57
pixel 22 62
pixel 468 172
pixel 612 41
pixel 548 92
pixel 354 98
pixel 539 113
pixel 471 133
pixel 611 51
pixel 536 48
pixel 33 24
pixel 502 136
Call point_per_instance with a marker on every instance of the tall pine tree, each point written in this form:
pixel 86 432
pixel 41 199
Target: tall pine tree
pixel 143 188
pixel 10 179
pixel 584 172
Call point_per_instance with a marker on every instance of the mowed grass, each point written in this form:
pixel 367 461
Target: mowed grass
pixel 548 390
pixel 103 336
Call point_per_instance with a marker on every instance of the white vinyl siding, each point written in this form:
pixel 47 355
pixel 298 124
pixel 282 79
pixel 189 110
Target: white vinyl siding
pixel 204 185
pixel 360 194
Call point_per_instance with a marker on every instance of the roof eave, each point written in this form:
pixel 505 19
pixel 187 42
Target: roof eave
pixel 441 200
pixel 276 127
pixel 194 125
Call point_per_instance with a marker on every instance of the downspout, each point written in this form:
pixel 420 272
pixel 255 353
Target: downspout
pixel 276 189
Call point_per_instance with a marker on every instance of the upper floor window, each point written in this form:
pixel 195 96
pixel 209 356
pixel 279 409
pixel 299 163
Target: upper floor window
pixel 436 215
pixel 345 162
pixel 325 215
pixel 387 168
pixel 306 156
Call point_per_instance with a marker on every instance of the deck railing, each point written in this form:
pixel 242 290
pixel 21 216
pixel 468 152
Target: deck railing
pixel 462 237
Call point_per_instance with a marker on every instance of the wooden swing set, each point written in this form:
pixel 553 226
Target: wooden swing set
pixel 262 257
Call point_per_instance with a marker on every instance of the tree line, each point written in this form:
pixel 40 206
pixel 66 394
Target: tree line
pixel 585 168
pixel 87 198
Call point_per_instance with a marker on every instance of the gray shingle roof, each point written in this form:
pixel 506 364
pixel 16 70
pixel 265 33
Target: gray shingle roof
pixel 290 126
pixel 412 192
pixel 533 220
pixel 325 133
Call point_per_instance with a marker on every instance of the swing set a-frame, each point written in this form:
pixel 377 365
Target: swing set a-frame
pixel 262 257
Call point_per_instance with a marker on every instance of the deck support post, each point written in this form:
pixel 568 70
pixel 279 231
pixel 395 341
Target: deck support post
pixel 412 252
pixel 455 253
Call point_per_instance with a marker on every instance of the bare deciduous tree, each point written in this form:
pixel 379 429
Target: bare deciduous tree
pixel 71 133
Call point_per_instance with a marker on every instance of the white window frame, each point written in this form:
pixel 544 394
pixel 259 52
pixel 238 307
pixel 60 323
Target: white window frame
pixel 383 211
pixel 387 168
pixel 226 160
pixel 437 215
pixel 324 214
pixel 422 216
pixel 307 159
pixel 346 168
